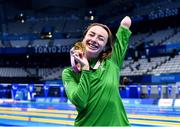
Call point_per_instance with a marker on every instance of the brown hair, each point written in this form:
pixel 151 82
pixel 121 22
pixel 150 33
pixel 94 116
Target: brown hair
pixel 108 48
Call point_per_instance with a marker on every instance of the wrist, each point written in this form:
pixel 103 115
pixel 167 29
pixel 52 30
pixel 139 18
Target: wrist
pixel 124 26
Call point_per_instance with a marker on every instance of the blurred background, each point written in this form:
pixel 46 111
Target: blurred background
pixel 36 36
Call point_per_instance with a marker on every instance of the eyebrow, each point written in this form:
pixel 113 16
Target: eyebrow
pixel 98 35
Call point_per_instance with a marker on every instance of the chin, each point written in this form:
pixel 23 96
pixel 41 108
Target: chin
pixel 92 51
pixel 92 54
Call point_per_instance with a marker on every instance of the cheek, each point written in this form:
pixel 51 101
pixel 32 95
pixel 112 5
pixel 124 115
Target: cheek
pixel 103 44
pixel 84 42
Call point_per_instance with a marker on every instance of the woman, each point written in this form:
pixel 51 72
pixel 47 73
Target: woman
pixel 94 89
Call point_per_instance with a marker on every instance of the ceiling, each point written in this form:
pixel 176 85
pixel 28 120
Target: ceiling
pixel 60 4
pixel 103 8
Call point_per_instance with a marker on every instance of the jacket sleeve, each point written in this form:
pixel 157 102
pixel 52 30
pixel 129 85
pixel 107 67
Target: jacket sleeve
pixel 120 45
pixel 77 91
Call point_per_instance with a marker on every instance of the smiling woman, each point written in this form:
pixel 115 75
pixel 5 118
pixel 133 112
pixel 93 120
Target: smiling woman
pixel 98 41
pixel 94 89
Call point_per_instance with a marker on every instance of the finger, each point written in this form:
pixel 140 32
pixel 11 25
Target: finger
pixel 80 53
pixel 72 50
pixel 75 55
pixel 74 66
pixel 77 58
pixel 75 52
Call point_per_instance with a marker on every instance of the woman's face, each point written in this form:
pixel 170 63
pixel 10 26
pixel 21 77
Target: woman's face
pixel 94 41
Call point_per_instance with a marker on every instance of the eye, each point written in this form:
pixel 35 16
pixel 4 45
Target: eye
pixel 101 38
pixel 91 34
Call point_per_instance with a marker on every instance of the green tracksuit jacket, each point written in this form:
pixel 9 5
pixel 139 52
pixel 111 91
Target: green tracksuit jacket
pixel 96 93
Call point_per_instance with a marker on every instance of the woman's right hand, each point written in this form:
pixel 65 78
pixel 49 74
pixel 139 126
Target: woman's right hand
pixel 80 58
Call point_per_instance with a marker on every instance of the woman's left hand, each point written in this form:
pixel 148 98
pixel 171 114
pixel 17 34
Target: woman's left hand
pixel 126 22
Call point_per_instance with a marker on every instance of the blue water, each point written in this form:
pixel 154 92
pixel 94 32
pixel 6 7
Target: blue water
pixel 148 110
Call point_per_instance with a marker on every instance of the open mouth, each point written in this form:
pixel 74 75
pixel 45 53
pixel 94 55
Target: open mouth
pixel 92 46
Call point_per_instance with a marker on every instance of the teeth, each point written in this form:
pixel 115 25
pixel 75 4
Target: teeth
pixel 93 46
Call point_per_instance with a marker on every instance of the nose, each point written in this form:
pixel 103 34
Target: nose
pixel 94 39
